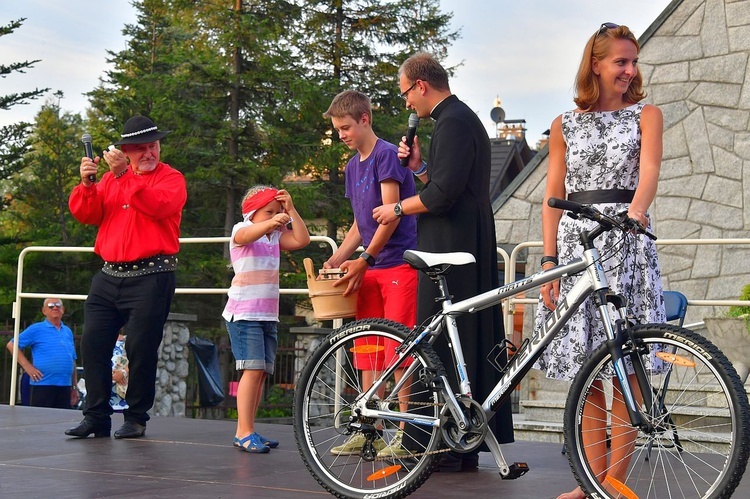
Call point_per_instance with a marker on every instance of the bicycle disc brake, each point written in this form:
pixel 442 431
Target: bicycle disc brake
pixel 469 438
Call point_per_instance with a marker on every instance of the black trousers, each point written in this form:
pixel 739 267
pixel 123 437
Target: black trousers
pixel 50 396
pixel 140 305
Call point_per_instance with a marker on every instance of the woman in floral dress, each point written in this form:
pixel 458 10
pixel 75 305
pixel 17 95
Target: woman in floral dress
pixel 607 153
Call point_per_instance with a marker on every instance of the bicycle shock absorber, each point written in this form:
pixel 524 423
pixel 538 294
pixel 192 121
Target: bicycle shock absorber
pixel 622 336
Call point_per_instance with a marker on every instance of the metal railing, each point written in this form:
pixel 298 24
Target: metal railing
pixel 510 273
pixel 509 262
pixel 20 294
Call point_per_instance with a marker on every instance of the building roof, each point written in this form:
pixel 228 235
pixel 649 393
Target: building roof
pixel 508 160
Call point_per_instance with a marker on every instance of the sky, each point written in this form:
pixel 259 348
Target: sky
pixel 524 52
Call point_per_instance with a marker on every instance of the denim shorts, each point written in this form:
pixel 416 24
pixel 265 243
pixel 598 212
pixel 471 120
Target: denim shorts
pixel 253 344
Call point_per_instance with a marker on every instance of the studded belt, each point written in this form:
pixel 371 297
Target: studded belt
pixel 151 265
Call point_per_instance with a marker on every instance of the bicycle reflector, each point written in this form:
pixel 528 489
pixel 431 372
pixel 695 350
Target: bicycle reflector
pixel 385 472
pixel 620 487
pixel 367 348
pixel 677 360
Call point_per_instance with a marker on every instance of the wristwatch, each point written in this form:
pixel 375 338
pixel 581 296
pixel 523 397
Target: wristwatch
pixel 398 210
pixel 368 258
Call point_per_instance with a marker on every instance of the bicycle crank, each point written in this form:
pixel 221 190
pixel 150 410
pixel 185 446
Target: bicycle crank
pixel 469 438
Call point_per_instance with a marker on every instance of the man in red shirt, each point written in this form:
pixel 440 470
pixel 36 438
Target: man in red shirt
pixel 137 206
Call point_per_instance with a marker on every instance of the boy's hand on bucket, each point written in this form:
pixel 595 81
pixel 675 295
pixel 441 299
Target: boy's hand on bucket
pixel 355 273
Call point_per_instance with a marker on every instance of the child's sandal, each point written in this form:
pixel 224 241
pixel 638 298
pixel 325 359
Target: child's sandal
pixel 255 444
pixel 270 443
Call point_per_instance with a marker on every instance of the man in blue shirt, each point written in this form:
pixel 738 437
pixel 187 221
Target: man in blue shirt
pixel 53 370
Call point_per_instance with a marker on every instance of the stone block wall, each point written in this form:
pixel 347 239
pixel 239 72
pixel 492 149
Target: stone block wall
pixel 172 367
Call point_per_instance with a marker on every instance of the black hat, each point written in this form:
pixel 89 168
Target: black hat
pixel 140 130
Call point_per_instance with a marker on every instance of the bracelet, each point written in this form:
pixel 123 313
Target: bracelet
pixel 549 259
pixel 421 170
pixel 121 173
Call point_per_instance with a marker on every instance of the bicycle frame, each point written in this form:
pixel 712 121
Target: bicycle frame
pixel 593 281
pixel 649 386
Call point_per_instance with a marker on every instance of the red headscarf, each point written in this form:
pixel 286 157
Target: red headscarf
pixel 259 200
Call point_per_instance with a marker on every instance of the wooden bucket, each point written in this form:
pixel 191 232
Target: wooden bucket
pixel 328 302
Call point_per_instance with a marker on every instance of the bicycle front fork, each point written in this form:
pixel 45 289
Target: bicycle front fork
pixel 618 336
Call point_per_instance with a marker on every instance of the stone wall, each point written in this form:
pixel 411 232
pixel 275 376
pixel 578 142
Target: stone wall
pixel 172 367
pixel 695 67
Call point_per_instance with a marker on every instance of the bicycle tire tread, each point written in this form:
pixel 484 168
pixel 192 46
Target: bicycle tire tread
pixel 339 335
pixel 727 371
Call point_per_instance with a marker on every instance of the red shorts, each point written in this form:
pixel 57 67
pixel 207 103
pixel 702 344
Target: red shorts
pixel 389 294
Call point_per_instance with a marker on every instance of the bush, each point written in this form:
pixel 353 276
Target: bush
pixel 278 404
pixel 737 311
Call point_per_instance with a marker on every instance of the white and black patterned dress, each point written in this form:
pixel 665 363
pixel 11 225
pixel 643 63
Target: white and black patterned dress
pixel 603 152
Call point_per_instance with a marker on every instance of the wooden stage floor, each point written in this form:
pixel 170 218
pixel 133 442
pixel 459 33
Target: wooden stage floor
pixel 191 458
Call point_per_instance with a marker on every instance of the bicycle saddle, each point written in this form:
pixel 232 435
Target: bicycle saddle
pixel 423 260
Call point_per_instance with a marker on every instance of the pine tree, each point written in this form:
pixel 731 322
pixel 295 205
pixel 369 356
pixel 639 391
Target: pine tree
pixel 37 211
pixel 13 143
pixel 360 44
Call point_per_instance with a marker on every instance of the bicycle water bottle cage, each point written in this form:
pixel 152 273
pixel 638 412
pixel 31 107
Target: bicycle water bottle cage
pixel 494 357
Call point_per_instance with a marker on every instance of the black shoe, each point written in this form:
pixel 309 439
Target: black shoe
pixel 450 462
pixel 470 462
pixel 131 429
pixel 454 462
pixel 87 427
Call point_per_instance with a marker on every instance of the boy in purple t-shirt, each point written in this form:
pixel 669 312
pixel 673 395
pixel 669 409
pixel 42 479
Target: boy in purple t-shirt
pixel 387 286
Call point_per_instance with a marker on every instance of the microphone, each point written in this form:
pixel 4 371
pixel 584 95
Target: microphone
pixel 86 139
pixel 410 133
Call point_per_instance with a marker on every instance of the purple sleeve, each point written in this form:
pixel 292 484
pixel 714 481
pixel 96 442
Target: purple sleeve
pixel 388 165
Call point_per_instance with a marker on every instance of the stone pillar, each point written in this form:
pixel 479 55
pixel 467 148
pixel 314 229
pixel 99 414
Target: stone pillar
pixel 306 341
pixel 172 367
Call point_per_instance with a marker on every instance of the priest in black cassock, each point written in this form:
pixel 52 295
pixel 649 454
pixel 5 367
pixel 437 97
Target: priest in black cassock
pixel 454 214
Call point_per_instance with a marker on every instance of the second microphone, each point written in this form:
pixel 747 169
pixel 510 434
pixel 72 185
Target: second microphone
pixel 411 132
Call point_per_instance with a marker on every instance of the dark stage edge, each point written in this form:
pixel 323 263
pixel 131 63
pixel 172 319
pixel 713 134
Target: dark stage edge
pixel 188 458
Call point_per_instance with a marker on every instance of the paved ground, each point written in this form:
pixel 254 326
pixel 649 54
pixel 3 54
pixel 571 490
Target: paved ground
pixel 191 458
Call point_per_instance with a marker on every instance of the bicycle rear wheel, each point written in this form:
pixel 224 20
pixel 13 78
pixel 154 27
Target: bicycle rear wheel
pixel 337 452
pixel 698 411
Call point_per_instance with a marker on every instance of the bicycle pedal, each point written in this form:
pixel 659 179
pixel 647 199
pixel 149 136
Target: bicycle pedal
pixel 516 470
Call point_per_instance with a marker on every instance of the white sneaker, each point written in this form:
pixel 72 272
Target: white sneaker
pixel 354 444
pixel 395 449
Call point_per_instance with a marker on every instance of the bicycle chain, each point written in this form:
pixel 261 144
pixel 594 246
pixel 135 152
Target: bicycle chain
pixel 414 455
pixel 425 404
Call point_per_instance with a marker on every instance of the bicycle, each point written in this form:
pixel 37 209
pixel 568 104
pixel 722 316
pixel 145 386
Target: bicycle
pixel 683 399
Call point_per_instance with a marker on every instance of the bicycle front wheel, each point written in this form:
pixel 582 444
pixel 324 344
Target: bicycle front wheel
pixel 695 442
pixel 356 457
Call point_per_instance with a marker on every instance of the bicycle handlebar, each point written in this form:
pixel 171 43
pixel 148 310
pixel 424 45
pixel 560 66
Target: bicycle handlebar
pixel 623 221
pixel 564 204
